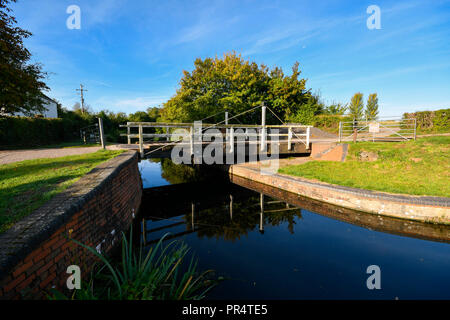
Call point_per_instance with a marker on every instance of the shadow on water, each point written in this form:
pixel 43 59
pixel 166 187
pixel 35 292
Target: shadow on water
pixel 272 244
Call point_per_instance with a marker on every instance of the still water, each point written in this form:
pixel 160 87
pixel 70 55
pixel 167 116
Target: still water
pixel 273 248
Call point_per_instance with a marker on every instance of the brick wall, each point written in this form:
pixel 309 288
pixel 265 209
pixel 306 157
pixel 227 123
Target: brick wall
pixel 35 253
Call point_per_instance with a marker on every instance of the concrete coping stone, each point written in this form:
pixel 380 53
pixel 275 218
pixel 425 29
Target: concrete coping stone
pixel 379 195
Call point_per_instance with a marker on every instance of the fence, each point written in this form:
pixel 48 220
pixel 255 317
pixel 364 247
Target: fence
pixel 382 129
pixel 260 135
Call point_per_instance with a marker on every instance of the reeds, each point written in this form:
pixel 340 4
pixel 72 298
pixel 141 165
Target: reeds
pixel 157 275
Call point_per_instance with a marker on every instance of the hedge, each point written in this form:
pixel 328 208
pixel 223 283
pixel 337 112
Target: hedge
pixel 431 121
pixel 24 131
pixel 329 123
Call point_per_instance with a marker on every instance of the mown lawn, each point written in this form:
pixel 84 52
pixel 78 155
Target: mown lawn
pixel 26 185
pixel 419 167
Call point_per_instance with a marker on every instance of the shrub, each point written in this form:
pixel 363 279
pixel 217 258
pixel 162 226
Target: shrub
pixel 431 121
pixel 330 123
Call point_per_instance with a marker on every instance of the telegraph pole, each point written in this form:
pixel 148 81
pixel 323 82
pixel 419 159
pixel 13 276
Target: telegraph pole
pixel 82 97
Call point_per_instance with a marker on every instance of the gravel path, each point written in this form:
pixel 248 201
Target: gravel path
pixel 9 156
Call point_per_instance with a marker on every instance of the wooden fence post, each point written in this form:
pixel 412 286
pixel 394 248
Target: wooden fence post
pixel 102 135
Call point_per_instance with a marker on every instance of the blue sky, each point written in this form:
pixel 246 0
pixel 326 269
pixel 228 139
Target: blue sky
pixel 130 54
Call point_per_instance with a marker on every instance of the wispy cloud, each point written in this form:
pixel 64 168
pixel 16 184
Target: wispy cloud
pixel 101 11
pixel 128 105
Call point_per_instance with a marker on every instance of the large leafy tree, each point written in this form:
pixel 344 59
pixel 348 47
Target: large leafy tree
pixel 235 85
pixel 21 82
pixel 356 107
pixel 371 110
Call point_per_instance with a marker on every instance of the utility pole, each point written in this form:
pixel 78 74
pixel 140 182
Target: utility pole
pixel 82 97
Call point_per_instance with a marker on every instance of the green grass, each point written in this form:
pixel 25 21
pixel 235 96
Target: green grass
pixel 26 185
pixel 419 167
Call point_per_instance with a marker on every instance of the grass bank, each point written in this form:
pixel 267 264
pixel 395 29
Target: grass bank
pixel 26 185
pixel 419 167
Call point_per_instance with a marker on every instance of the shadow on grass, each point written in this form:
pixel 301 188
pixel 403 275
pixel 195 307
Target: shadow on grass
pixel 27 185
pixel 18 169
pixel 19 201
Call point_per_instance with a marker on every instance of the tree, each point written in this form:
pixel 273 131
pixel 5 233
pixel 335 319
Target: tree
pixel 139 116
pixel 21 82
pixel 76 107
pixel 153 113
pixel 372 107
pixel 356 106
pixel 307 111
pixel 336 109
pixel 235 85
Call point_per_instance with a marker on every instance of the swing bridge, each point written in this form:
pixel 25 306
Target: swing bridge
pixel 157 139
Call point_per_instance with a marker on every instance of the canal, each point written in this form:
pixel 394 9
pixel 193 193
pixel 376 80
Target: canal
pixel 271 245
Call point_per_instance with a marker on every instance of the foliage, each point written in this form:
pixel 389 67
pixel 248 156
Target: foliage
pixel 111 123
pixel 336 109
pixel 20 81
pixel 371 110
pixel 31 131
pixel 431 121
pixel 308 111
pixel 412 167
pixel 153 114
pixel 356 106
pixel 329 123
pixel 26 185
pixel 235 85
pixel 24 131
pixel 154 276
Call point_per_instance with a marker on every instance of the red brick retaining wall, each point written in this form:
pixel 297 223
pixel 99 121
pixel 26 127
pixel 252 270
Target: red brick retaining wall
pixel 35 253
pixel 420 208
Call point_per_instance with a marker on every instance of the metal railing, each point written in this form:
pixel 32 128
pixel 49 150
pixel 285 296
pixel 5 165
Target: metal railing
pixel 382 129
pixel 164 133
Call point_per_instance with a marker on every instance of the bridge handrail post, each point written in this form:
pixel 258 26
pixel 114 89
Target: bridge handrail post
pixel 289 138
pixel 340 131
pixel 191 139
pixel 141 141
pixel 308 129
pixel 128 133
pixel 263 128
pixel 231 140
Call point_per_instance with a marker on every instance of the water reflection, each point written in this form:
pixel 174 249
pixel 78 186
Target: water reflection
pixel 161 172
pixel 270 244
pixel 229 212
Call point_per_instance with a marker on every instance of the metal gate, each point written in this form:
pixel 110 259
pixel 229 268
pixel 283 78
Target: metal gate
pixel 382 129
pixel 90 134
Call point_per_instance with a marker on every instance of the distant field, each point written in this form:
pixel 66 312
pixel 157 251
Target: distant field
pixel 26 185
pixel 419 167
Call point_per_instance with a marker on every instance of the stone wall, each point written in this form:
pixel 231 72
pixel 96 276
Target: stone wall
pixel 35 253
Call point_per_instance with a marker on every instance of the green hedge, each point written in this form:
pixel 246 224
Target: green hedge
pixel 329 123
pixel 431 121
pixel 24 131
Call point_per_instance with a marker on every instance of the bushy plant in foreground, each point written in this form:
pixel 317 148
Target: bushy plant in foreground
pixel 154 276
